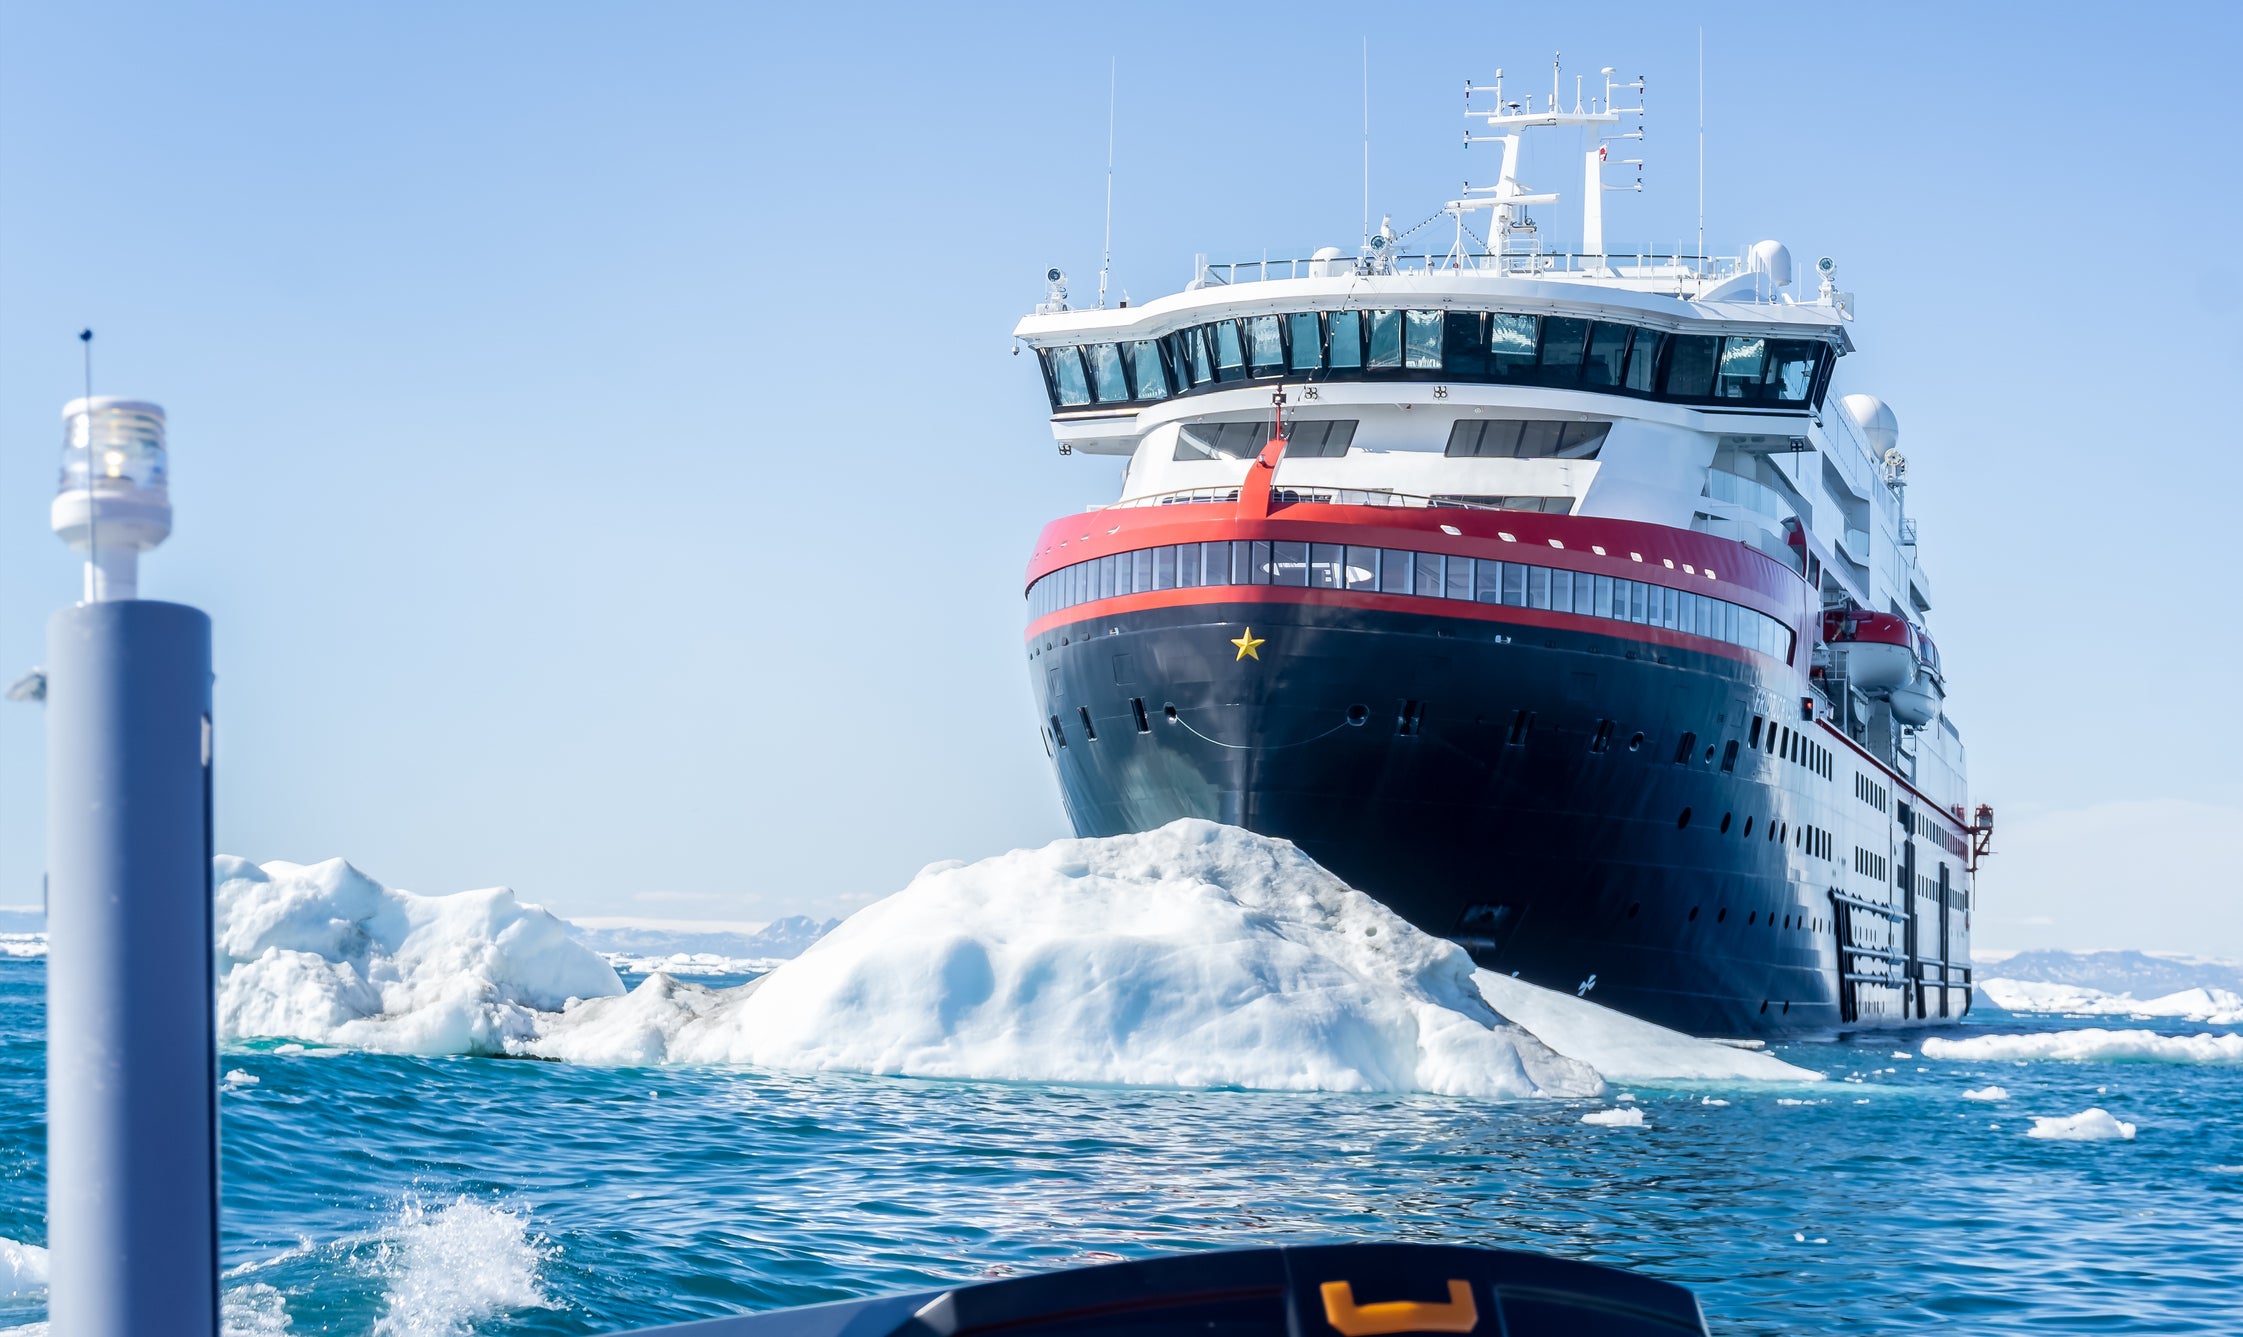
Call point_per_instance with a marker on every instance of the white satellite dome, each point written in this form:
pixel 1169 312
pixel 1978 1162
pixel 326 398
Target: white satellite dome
pixel 1772 258
pixel 1876 421
pixel 1326 263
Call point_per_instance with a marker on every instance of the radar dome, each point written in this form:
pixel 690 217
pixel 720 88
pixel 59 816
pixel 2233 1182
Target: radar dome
pixel 1772 258
pixel 1876 421
pixel 1326 263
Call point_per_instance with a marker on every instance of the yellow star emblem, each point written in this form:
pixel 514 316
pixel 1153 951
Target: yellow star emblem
pixel 1250 645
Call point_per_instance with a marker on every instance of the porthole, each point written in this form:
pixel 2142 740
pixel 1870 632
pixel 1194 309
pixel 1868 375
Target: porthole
pixel 1721 915
pixel 1356 715
pixel 1763 1007
pixel 1748 826
pixel 1693 914
pixel 1633 907
pixel 1635 744
pixel 1752 919
pixel 1725 822
pixel 1709 754
pixel 1683 820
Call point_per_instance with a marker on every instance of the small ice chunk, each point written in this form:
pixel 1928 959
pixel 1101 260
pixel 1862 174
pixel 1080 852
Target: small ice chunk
pixel 1986 1093
pixel 1799 1235
pixel 1709 1100
pixel 1625 1096
pixel 1790 1100
pixel 290 1048
pixel 1902 1053
pixel 1629 1117
pixel 2090 1045
pixel 2089 1125
pixel 236 1078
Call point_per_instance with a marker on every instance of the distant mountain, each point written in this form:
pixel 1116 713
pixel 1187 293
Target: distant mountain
pixel 2142 974
pixel 779 940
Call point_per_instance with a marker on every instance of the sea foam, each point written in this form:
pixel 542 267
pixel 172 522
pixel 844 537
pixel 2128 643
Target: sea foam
pixel 450 1266
pixel 323 952
pixel 1196 955
pixel 2090 1046
pixel 23 1269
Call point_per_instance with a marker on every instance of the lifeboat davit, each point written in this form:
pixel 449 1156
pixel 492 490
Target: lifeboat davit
pixel 1920 702
pixel 1874 652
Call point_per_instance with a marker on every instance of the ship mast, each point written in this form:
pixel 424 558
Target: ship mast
pixel 1508 197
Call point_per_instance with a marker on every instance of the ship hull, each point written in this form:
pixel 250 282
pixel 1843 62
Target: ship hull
pixel 1580 809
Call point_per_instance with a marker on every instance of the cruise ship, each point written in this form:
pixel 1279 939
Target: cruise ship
pixel 1553 597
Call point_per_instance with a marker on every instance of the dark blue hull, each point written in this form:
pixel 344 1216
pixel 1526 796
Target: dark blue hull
pixel 1582 810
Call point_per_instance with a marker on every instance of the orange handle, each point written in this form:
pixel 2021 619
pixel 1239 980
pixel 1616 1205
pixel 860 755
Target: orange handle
pixel 1354 1320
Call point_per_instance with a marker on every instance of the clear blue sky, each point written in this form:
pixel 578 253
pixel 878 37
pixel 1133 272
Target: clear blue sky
pixel 595 435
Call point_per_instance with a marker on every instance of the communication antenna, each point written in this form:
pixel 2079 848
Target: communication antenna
pixel 1701 143
pixel 1106 262
pixel 1366 144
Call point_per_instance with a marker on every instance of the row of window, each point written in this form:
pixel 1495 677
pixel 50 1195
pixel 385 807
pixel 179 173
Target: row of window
pixel 1432 575
pixel 1868 864
pixel 1329 438
pixel 1870 792
pixel 1494 347
pixel 1792 745
pixel 1937 832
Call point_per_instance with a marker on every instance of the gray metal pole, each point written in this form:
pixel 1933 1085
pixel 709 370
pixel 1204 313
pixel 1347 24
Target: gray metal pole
pixel 132 1050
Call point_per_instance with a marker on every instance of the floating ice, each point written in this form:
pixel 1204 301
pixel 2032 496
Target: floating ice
pixel 23 1269
pixel 1196 955
pixel 323 952
pixel 1709 1100
pixel 1627 1116
pixel 1988 1093
pixel 2216 1006
pixel 1902 1053
pixel 23 946
pixel 237 1078
pixel 2092 1045
pixel 2089 1125
pixel 1624 1048
pixel 451 1266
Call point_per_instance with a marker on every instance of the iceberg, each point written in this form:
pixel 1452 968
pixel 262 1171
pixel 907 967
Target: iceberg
pixel 1623 1048
pixel 1196 955
pixel 2201 1003
pixel 322 952
pixel 2090 1125
pixel 2090 1046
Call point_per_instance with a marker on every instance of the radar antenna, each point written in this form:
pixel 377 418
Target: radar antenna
pixel 1509 199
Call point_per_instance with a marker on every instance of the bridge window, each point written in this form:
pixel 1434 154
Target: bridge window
pixel 1429 579
pixel 1362 568
pixel 1690 366
pixel 1148 370
pixel 1346 339
pixel 1386 339
pixel 1327 566
pixel 1608 356
pixel 1068 384
pixel 1193 359
pixel 1423 352
pixel 1307 337
pixel 1511 342
pixel 1394 571
pixel 1563 339
pixel 1288 563
pixel 1107 379
pixel 1643 360
pixel 1743 363
pixel 1265 346
pixel 1230 354
pixel 1221 440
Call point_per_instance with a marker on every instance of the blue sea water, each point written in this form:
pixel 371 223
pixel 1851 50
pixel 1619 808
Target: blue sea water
pixel 367 1193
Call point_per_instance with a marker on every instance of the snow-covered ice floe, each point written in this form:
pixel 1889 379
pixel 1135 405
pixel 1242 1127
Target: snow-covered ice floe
pixel 1197 955
pixel 2092 1045
pixel 22 946
pixel 1988 1094
pixel 323 952
pixel 1627 1116
pixel 1624 1048
pixel 2218 1007
pixel 2090 1125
